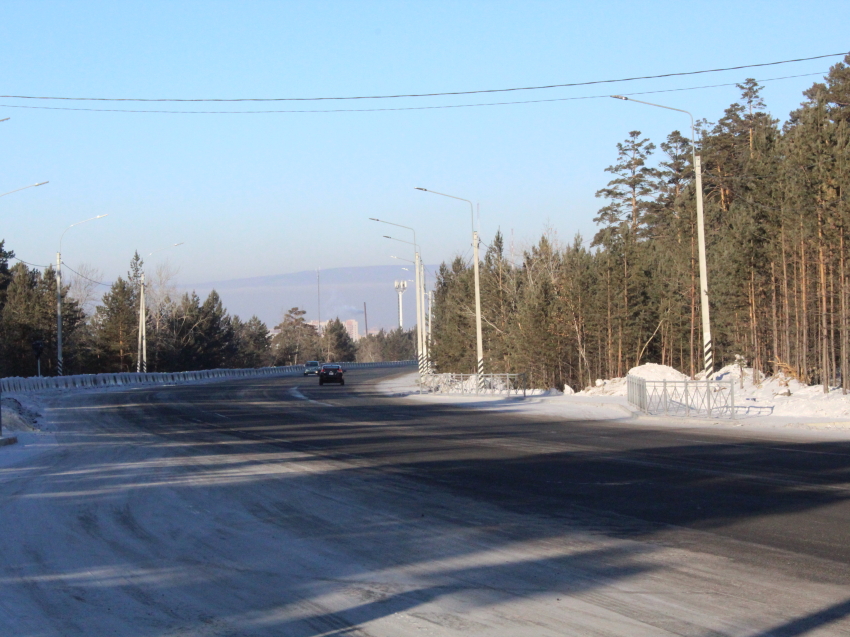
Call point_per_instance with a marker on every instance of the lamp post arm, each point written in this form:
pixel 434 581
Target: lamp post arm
pixel 24 188
pixel 174 245
pixel 669 108
pixel 442 194
pixel 397 225
pixel 77 224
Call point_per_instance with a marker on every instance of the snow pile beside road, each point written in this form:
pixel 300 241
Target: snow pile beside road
pixel 778 395
pixel 783 395
pixel 617 386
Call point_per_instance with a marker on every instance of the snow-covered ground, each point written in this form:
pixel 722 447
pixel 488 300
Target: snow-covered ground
pixel 768 403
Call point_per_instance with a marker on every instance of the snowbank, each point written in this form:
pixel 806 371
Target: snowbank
pixel 778 395
pixel 617 386
pixel 783 395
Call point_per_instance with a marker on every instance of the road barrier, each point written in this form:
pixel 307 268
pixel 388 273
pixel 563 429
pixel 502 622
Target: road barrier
pixel 44 383
pixel 504 384
pixel 689 398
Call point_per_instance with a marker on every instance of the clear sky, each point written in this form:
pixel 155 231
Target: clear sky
pixel 263 194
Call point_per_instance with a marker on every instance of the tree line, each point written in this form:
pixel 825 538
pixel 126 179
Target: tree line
pixel 777 220
pixel 184 333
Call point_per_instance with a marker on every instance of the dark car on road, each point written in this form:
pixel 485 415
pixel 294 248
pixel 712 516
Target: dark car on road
pixel 331 374
pixel 312 367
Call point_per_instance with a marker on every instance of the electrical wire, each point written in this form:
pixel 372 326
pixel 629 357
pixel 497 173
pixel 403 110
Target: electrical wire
pixel 106 285
pixel 380 97
pixel 35 265
pixel 401 108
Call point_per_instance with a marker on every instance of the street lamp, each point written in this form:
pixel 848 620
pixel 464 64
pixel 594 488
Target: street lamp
pixel 41 183
pixel 419 282
pixel 707 345
pixel 142 356
pixel 59 370
pixel 420 301
pixel 479 341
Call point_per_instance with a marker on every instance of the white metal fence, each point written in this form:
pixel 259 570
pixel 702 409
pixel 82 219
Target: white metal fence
pixel 505 384
pixel 706 398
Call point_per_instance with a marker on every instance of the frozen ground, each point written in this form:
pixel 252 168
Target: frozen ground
pixel 269 508
pixel 774 404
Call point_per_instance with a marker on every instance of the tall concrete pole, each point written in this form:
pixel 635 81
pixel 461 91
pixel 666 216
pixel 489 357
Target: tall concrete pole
pixel 142 357
pixel 707 344
pixel 420 325
pixel 479 341
pixel 59 370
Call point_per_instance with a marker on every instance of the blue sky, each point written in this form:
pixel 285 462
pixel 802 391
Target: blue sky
pixel 264 194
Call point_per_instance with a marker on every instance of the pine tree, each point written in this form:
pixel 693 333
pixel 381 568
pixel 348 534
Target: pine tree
pixel 337 345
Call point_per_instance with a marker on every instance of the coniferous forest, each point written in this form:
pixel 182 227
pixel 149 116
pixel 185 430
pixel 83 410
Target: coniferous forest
pixel 184 333
pixel 777 229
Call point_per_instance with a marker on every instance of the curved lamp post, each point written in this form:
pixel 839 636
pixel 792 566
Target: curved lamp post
pixel 479 342
pixel 421 347
pixel 419 282
pixel 707 345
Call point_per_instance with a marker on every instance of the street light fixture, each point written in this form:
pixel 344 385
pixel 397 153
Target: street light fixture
pixel 41 183
pixel 479 341
pixel 59 369
pixel 707 345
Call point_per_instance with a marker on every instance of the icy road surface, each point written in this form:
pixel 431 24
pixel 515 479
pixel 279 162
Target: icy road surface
pixel 278 507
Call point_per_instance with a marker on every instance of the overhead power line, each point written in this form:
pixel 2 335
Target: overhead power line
pixel 83 276
pixel 399 108
pixel 35 265
pixel 403 95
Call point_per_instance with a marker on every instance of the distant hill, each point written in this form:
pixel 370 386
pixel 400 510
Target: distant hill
pixel 343 291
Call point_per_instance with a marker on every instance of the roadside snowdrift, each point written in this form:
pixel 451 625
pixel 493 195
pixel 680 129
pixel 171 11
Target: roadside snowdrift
pixel 778 395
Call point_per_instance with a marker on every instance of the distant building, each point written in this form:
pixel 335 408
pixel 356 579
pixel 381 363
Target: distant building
pixel 353 329
pixel 320 327
pixel 351 326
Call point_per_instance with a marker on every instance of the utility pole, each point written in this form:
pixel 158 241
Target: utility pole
pixel 319 302
pixel 420 313
pixel 430 319
pixel 400 287
pixel 365 319
pixel 59 371
pixel 142 357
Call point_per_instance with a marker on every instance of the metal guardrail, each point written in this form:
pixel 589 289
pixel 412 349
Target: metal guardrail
pixel 44 383
pixel 689 398
pixel 499 384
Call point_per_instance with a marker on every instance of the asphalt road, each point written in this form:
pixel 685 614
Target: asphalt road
pixel 278 507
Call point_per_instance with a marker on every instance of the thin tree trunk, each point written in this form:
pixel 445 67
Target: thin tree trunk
pixel 823 322
pixel 774 317
pixel 843 322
